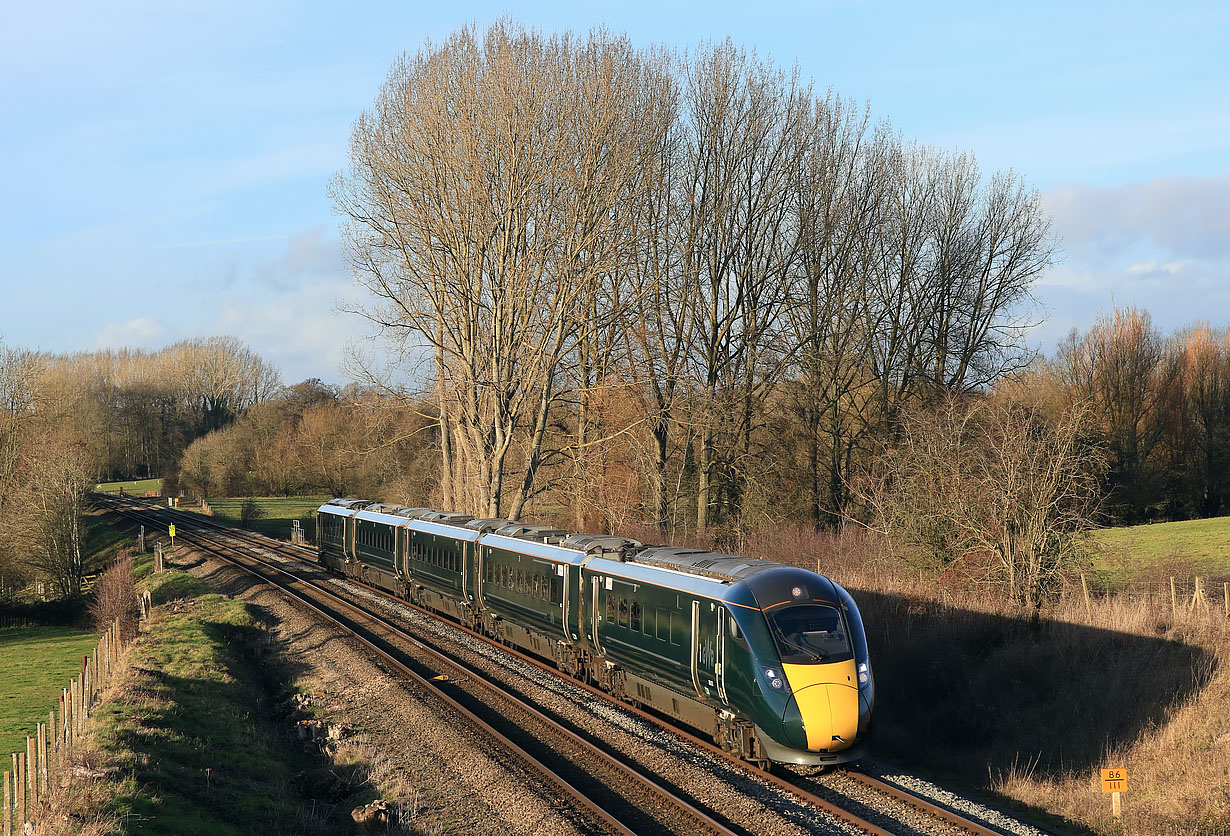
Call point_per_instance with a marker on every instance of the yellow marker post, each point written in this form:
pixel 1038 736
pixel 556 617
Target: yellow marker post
pixel 1114 781
pixel 171 531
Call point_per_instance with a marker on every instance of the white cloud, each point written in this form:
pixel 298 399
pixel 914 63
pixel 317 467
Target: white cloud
pixel 1153 268
pixel 143 331
pixel 300 330
pixel 1179 217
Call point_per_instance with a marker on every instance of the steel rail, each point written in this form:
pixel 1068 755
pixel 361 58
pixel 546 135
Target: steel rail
pixel 362 615
pixel 870 782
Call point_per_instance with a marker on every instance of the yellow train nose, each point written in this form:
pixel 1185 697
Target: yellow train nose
pixel 827 698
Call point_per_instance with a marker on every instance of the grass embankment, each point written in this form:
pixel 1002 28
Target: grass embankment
pixel 133 487
pixel 35 663
pixel 969 690
pixel 275 513
pixel 189 734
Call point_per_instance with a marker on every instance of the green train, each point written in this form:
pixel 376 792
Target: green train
pixel 769 658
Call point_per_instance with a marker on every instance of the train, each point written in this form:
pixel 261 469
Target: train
pixel 768 658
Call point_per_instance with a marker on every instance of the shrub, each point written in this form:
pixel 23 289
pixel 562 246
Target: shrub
pixel 249 510
pixel 115 596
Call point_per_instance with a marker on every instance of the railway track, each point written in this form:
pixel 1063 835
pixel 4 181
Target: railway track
pixel 652 808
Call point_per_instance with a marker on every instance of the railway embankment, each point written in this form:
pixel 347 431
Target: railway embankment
pixel 203 731
pixel 973 692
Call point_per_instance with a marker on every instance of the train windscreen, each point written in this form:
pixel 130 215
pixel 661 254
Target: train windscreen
pixel 808 634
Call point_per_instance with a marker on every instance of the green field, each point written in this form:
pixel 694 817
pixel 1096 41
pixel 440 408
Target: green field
pixel 1190 545
pixel 135 487
pixel 276 513
pixel 35 663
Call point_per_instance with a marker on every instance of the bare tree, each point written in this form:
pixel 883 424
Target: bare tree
pixel 745 141
pixel 483 200
pixel 1122 370
pixel 988 477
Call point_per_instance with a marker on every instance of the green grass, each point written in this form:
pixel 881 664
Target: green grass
pixel 136 487
pixel 276 513
pixel 189 734
pixel 1188 546
pixel 35 663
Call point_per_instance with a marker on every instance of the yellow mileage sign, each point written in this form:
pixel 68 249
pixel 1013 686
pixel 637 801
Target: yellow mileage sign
pixel 171 531
pixel 1114 781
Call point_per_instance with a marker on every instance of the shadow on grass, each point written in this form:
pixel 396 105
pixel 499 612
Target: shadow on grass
pixel 209 755
pixel 980 694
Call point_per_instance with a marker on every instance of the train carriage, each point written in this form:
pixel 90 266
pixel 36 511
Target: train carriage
pixel 439 564
pixel 769 658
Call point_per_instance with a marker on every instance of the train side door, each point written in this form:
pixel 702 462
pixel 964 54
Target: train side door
pixel 705 641
pixel 595 615
pixel 565 615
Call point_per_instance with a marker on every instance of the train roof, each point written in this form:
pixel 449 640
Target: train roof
pixel 694 570
pixel 723 567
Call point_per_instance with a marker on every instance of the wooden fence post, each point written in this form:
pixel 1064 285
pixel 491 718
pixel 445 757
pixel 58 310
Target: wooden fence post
pixel 1088 605
pixel 1174 602
pixel 8 806
pixel 1225 591
pixel 49 733
pixel 1198 598
pixel 19 789
pixel 31 773
pixel 41 745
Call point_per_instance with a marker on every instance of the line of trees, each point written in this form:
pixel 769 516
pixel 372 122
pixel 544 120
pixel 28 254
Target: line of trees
pixel 67 422
pixel 1163 411
pixel 691 273
pixel 310 438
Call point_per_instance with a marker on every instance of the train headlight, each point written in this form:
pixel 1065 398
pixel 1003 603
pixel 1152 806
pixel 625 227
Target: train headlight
pixel 863 675
pixel 776 681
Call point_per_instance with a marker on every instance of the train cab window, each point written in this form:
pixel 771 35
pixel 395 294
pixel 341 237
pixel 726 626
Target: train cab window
pixel 635 624
pixel 736 633
pixel 810 633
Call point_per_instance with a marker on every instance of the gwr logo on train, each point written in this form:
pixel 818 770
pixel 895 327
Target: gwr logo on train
pixel 769 658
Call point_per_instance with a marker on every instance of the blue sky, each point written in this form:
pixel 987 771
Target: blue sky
pixel 163 167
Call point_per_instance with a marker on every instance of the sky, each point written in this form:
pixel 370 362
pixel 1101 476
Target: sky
pixel 164 166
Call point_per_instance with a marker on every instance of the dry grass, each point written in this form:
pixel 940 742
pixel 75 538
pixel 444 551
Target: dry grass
pixel 968 689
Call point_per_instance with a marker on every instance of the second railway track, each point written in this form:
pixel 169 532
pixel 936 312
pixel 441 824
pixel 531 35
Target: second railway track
pixel 845 801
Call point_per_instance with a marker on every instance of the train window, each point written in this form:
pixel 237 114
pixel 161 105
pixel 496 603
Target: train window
pixel 735 632
pixel 676 628
pixel 623 612
pixel 555 589
pixel 809 633
pixel 610 608
pixel 520 585
pixel 536 587
pixel 650 623
pixel 635 624
pixel 664 625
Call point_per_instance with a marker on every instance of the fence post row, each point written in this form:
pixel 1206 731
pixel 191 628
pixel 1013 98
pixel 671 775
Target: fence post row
pixel 47 760
pixel 1200 601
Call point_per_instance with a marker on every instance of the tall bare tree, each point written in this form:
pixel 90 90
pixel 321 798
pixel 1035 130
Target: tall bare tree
pixel 483 204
